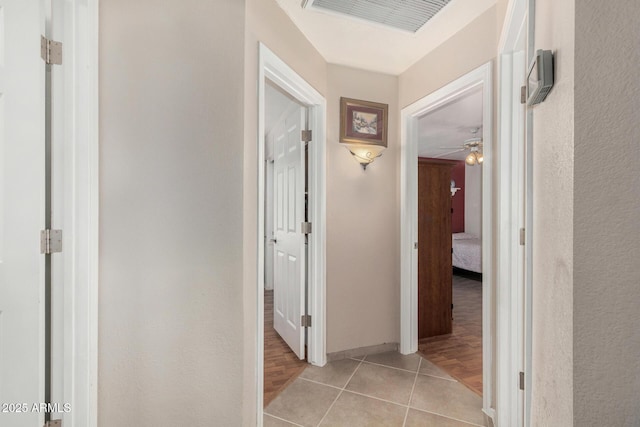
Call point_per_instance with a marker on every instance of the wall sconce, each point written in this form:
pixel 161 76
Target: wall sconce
pixel 365 154
pixel 454 189
pixel 363 129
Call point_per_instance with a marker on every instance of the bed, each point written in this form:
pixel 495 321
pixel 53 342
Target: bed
pixel 467 252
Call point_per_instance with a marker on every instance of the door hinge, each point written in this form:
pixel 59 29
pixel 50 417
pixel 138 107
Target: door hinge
pixel 50 241
pixel 415 245
pixel 305 320
pixel 50 51
pixel 306 136
pixel 305 228
pixel 523 95
pixel 522 237
pixel 53 423
pixel 521 381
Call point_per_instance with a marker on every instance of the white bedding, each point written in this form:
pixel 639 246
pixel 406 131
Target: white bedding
pixel 467 252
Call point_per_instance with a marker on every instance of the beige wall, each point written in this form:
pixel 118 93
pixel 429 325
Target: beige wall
pixel 553 183
pixel 266 23
pixel 363 228
pixel 171 132
pixel 474 45
pixel 606 227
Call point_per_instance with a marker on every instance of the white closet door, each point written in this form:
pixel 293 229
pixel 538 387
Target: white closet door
pixel 22 197
pixel 289 250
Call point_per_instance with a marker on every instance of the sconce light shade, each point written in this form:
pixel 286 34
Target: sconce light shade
pixel 365 154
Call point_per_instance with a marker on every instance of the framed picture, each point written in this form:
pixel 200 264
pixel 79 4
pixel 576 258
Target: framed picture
pixel 363 122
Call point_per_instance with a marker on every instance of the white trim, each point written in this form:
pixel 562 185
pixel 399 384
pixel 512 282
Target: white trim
pixel 273 68
pixel 75 94
pixel 482 76
pixel 516 10
pixel 513 353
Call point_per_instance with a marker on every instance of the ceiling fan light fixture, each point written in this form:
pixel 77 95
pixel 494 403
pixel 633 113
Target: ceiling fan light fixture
pixel 479 157
pixel 471 159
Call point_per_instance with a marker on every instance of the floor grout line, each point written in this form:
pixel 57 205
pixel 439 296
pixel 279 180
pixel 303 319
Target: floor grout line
pixel 392 367
pixel 340 394
pixel 447 416
pixel 374 397
pixel 415 380
pixel 320 383
pixel 453 380
pixel 282 419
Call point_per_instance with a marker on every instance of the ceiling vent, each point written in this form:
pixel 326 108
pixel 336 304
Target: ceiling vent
pixel 406 15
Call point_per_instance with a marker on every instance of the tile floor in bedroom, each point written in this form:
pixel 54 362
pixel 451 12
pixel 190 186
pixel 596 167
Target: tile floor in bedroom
pixel 386 389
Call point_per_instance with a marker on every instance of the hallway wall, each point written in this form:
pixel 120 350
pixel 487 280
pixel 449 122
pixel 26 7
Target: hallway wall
pixel 171 185
pixel 553 178
pixel 606 229
pixel 363 222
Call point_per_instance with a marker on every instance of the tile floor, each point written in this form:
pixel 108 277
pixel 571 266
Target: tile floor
pixel 386 389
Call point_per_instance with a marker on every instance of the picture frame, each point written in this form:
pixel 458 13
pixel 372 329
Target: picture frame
pixel 363 122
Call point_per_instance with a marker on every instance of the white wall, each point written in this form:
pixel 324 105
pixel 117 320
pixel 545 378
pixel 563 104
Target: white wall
pixel 171 185
pixel 473 200
pixel 553 234
pixel 606 228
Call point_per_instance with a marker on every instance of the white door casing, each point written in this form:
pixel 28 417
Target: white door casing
pixel 513 314
pixel 481 76
pixel 22 198
pixel 289 248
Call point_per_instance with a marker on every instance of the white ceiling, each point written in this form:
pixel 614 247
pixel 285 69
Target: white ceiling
pixel 449 126
pixel 345 40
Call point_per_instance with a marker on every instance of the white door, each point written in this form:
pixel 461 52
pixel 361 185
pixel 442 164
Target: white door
pixel 289 247
pixel 22 197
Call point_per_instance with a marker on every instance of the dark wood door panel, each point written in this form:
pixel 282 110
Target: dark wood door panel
pixel 434 248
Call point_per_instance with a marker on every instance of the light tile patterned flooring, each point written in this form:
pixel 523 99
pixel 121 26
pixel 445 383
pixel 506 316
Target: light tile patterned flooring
pixel 386 389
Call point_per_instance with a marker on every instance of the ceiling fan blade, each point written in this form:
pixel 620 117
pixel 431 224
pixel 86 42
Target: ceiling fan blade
pixel 454 150
pixel 451 148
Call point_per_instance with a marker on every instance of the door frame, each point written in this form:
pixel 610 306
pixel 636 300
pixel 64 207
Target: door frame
pixel 514 320
pixel 276 70
pixel 75 162
pixel 481 76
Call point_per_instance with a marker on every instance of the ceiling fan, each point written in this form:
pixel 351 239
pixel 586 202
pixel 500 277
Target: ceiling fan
pixel 473 145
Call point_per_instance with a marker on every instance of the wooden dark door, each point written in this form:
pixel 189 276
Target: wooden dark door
pixel 435 293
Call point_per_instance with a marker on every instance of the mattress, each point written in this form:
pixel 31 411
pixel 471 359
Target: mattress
pixel 467 252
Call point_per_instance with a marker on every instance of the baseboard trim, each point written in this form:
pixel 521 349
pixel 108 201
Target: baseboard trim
pixel 362 351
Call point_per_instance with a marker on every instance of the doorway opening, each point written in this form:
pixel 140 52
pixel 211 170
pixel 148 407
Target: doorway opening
pixel 291 217
pixel 450 280
pixel 285 261
pixel 474 86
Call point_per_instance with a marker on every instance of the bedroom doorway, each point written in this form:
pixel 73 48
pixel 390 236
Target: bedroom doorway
pixel 439 132
pixel 450 159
